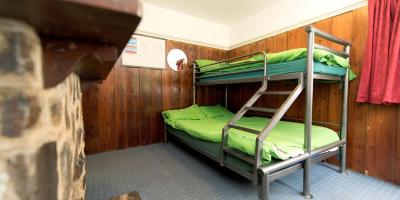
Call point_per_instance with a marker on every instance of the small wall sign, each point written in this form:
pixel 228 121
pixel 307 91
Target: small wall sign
pixel 142 51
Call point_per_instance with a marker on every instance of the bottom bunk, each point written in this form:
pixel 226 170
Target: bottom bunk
pixel 212 151
pixel 286 139
pixel 201 132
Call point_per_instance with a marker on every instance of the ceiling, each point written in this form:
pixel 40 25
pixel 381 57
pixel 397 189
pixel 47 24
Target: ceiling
pixel 225 12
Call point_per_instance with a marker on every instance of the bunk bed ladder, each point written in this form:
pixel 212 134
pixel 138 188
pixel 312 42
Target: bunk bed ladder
pixel 261 135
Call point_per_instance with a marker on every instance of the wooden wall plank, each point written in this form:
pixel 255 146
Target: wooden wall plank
pixel 156 122
pixel 133 110
pixel 91 116
pixel 271 44
pixel 397 149
pixel 262 45
pixel 106 97
pixel 98 114
pixel 281 44
pixel 145 105
pixel 358 113
pixel 167 82
pixel 171 89
pixel 121 106
pixel 187 75
pixel 381 142
pixel 342 28
pixel 296 38
pixel 321 90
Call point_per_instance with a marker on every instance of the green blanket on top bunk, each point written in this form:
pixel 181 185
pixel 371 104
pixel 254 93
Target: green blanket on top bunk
pixel 285 140
pixel 330 59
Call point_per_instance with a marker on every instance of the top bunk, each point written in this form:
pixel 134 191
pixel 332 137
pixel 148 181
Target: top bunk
pixel 325 63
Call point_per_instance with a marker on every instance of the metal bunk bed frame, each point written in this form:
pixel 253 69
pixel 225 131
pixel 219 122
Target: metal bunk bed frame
pixel 263 175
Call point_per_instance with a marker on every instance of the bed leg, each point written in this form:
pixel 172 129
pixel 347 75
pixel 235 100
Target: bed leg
pixel 165 135
pixel 263 188
pixel 306 180
pixel 343 159
pixel 343 127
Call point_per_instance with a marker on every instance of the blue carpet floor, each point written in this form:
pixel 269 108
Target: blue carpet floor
pixel 173 172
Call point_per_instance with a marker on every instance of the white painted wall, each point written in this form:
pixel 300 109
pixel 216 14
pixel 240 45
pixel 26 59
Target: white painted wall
pixel 168 24
pixel 284 15
pixel 275 18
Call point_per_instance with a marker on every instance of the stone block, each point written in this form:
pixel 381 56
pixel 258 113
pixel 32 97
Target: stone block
pixel 66 156
pixel 46 172
pixel 79 167
pixel 20 55
pixel 29 173
pixel 56 111
pixel 19 176
pixel 18 111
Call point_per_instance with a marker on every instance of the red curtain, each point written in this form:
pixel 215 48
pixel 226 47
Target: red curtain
pixel 380 77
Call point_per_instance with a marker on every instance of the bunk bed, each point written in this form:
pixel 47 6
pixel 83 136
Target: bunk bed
pixel 304 70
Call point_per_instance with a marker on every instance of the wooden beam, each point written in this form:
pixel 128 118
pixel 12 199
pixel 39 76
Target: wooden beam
pixel 90 62
pixel 101 21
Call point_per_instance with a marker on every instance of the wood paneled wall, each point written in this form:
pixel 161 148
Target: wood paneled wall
pixel 125 110
pixel 373 130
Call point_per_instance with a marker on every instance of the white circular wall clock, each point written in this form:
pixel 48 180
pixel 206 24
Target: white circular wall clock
pixel 176 59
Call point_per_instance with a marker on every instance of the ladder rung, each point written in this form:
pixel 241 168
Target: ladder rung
pixel 247 158
pixel 276 92
pixel 244 129
pixel 258 109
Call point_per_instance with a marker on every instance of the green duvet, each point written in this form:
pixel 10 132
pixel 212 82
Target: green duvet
pixel 285 140
pixel 321 56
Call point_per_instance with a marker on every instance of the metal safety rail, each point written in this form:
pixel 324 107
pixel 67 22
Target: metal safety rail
pixel 198 74
pixel 262 175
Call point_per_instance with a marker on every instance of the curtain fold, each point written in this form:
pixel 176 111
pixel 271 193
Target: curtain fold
pixel 380 76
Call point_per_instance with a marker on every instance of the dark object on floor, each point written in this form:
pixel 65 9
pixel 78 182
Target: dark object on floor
pixel 129 196
pixel 174 172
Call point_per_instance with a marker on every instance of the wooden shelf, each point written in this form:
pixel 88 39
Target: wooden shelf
pixel 106 23
pixel 101 21
pixel 91 62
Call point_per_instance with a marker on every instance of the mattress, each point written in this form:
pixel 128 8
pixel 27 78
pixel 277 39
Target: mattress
pixel 256 70
pixel 286 139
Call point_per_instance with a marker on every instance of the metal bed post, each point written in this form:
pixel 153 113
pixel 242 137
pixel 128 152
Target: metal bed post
pixel 226 96
pixel 345 83
pixel 194 83
pixel 264 187
pixel 343 125
pixel 165 134
pixel 308 111
pixel 260 143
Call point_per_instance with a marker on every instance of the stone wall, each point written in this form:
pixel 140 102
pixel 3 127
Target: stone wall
pixel 41 130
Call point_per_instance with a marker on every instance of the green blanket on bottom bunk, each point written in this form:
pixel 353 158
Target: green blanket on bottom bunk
pixel 285 140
